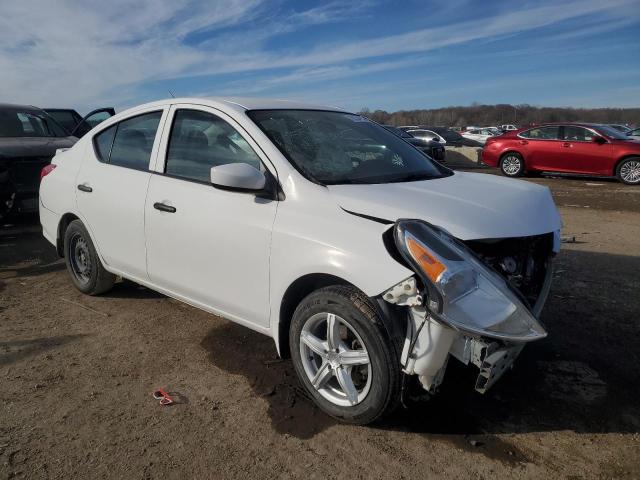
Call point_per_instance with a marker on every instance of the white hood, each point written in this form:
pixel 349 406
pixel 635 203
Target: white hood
pixel 470 206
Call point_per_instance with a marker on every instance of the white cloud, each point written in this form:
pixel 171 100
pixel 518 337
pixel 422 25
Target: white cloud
pixel 96 53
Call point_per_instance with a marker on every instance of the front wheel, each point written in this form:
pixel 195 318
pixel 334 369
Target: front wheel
pixel 629 171
pixel 343 356
pixel 512 165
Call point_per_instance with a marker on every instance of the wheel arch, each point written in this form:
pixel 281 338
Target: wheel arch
pixel 390 315
pixel 504 154
pixel 293 295
pixel 65 220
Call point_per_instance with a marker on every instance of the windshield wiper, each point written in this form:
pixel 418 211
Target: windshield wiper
pixel 414 177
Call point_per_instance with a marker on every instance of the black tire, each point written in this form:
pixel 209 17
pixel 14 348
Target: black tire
pixel 7 201
pixel 83 264
pixel 512 165
pixel 356 309
pixel 628 171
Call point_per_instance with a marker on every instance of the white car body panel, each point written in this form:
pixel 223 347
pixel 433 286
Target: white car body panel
pixel 477 134
pixel 214 250
pixel 239 258
pixel 513 209
pixel 425 134
pixel 114 210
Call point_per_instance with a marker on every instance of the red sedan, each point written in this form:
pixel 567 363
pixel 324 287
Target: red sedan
pixel 581 148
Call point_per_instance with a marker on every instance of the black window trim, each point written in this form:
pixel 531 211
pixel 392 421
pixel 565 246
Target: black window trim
pixel 117 125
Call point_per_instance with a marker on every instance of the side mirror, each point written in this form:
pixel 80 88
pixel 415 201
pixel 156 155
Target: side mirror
pixel 238 176
pixel 599 140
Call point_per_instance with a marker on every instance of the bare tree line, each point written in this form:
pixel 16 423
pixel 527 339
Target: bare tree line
pixel 484 115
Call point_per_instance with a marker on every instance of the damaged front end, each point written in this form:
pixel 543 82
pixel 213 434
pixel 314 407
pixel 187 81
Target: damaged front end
pixel 477 301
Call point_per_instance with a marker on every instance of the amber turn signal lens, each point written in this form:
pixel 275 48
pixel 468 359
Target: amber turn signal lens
pixel 429 264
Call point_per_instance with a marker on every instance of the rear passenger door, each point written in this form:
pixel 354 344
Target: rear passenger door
pixel 207 245
pixel 112 186
pixel 542 148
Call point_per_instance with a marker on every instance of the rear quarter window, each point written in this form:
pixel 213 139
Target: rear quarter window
pixel 103 142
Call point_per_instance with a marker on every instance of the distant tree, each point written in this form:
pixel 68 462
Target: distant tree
pixel 478 114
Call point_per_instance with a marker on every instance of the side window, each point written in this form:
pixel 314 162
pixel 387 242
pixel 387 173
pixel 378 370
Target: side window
pixel 134 140
pixel 199 141
pixel 103 142
pixel 577 134
pixel 542 133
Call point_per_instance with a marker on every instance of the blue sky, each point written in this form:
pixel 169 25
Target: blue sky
pixel 360 53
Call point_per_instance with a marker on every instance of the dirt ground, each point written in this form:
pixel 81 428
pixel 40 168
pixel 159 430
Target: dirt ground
pixel 77 374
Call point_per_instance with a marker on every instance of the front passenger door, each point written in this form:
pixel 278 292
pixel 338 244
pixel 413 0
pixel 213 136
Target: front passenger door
pixel 582 154
pixel 207 245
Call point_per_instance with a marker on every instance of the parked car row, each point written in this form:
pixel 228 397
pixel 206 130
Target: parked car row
pixel 29 137
pixel 575 148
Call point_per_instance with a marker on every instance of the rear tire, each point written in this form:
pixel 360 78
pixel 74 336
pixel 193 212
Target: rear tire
pixel 84 266
pixel 628 171
pixel 7 202
pixel 367 385
pixel 512 165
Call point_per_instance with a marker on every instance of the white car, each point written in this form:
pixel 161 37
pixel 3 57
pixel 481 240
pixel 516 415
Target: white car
pixel 480 134
pixel 365 261
pixel 508 127
pixel 427 135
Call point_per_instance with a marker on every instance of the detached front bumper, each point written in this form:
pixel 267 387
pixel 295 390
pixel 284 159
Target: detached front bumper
pixel 429 342
pixel 427 356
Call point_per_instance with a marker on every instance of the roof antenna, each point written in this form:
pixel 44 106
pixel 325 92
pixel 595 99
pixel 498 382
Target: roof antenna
pixel 171 93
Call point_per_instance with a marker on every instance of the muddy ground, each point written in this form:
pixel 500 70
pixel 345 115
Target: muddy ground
pixel 77 373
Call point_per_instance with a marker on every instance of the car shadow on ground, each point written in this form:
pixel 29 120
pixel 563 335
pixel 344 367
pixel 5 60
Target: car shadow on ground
pixel 582 378
pixel 16 350
pixel 24 252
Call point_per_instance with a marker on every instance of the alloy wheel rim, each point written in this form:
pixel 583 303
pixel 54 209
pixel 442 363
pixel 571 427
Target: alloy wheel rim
pixel 630 172
pixel 80 258
pixel 335 359
pixel 511 165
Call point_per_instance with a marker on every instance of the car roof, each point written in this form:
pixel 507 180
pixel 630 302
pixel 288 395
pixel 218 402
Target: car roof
pixel 12 106
pixel 240 104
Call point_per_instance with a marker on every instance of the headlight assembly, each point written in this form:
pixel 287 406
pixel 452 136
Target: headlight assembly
pixel 462 291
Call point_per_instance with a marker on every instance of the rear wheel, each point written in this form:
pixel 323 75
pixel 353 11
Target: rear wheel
pixel 84 266
pixel 7 201
pixel 343 357
pixel 629 171
pixel 512 165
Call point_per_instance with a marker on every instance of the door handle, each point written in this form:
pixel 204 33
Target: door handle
pixel 163 207
pixel 85 188
pixel 566 145
pixel 523 142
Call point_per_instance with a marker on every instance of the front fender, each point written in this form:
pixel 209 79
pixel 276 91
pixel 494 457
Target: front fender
pixel 341 245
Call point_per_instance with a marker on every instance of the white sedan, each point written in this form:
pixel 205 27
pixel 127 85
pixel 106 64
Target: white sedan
pixel 363 259
pixel 480 134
